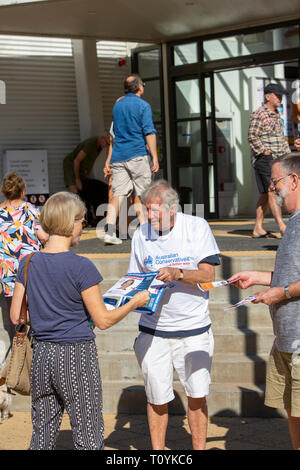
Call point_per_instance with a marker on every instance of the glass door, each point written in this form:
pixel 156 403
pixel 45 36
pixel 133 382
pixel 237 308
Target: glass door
pixel 194 176
pixel 146 62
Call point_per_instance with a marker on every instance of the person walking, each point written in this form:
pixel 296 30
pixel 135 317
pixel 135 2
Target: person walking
pixel 267 141
pixel 134 131
pixel 63 299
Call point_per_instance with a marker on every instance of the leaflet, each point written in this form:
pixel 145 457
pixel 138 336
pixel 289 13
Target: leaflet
pixel 206 286
pixel 248 299
pixel 131 284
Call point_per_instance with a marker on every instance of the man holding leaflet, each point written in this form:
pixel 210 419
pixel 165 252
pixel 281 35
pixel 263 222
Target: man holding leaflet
pixel 283 298
pixel 182 248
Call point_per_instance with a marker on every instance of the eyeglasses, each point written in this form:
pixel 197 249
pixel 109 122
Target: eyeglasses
pixel 83 221
pixel 276 180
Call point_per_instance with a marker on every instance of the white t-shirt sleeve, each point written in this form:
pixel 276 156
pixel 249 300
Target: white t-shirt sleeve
pixel 206 245
pixel 135 265
pixel 111 130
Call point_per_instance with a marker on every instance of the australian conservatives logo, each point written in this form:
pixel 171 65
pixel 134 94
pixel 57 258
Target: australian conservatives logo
pixel 172 259
pixel 148 261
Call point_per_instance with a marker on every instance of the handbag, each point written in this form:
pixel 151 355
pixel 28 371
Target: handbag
pixel 16 372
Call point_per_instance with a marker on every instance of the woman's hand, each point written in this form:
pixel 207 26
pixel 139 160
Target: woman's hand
pixel 141 298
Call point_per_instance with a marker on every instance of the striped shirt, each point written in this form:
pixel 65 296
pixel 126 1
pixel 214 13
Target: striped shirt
pixel 266 132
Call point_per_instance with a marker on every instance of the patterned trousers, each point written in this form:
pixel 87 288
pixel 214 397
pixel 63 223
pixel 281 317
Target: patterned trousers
pixel 66 377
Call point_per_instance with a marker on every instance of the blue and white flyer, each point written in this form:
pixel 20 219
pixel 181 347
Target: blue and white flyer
pixel 131 284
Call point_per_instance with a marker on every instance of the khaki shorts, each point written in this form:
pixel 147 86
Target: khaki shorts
pixel 132 174
pixel 283 381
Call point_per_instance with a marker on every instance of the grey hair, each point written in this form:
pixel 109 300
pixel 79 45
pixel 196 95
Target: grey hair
pixel 289 163
pixel 162 190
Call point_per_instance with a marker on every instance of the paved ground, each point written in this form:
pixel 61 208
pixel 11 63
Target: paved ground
pixel 130 432
pixel 230 235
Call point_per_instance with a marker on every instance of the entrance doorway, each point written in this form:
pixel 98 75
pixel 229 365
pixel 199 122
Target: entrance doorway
pixel 214 85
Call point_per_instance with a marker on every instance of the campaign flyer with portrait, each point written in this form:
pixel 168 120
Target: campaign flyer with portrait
pixel 121 292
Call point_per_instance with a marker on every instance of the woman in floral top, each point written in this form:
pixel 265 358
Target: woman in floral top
pixel 20 231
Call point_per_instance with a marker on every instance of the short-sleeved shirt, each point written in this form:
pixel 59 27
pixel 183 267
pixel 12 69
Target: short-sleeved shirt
pixel 266 132
pixel 90 148
pixel 18 238
pixel 286 314
pixel 190 242
pixel 54 285
pixel 132 118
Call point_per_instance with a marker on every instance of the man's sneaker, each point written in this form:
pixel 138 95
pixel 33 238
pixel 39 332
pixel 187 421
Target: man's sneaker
pixel 112 239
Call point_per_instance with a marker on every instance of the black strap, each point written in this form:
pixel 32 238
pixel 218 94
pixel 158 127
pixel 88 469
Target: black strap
pixel 174 334
pixel 23 313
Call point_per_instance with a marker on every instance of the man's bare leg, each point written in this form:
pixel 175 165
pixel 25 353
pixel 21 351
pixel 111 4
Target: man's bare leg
pixel 261 208
pixel 294 427
pixel 111 220
pixel 276 211
pixel 158 422
pixel 140 210
pixel 198 419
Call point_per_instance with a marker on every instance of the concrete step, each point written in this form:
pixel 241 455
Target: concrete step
pixel 252 317
pixel 223 400
pixel 243 341
pixel 226 368
pixel 115 266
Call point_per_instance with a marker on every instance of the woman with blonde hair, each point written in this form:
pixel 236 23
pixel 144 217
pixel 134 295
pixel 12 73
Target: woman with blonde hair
pixel 63 296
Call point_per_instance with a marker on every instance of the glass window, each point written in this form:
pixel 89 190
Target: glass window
pixel 185 54
pixel 160 150
pixel 152 96
pixel 247 44
pixel 188 148
pixel 148 64
pixel 187 98
pixel 191 185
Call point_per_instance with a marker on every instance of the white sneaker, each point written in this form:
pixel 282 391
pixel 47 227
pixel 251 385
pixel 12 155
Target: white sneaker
pixel 112 239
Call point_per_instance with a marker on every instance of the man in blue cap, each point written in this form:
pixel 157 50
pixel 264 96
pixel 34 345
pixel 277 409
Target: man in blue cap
pixel 267 141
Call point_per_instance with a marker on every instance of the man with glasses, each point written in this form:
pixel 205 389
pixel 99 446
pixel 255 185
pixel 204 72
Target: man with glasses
pixel 267 141
pixel 134 135
pixel 283 298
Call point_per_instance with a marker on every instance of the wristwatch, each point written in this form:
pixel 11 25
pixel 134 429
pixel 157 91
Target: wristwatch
pixel 181 275
pixel 286 292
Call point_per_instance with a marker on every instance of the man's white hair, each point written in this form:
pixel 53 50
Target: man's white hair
pixel 162 190
pixel 290 163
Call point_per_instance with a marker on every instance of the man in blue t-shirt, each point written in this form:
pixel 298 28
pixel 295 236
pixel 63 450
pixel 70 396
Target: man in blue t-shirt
pixel 134 139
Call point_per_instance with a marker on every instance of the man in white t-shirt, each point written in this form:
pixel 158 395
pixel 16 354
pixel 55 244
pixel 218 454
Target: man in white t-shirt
pixel 182 248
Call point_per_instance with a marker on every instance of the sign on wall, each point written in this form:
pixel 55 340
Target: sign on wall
pixel 2 92
pixel 32 165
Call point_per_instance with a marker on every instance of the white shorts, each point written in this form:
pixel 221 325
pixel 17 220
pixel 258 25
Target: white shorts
pixel 191 357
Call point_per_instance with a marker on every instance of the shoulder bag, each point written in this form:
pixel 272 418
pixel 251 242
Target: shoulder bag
pixel 16 372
